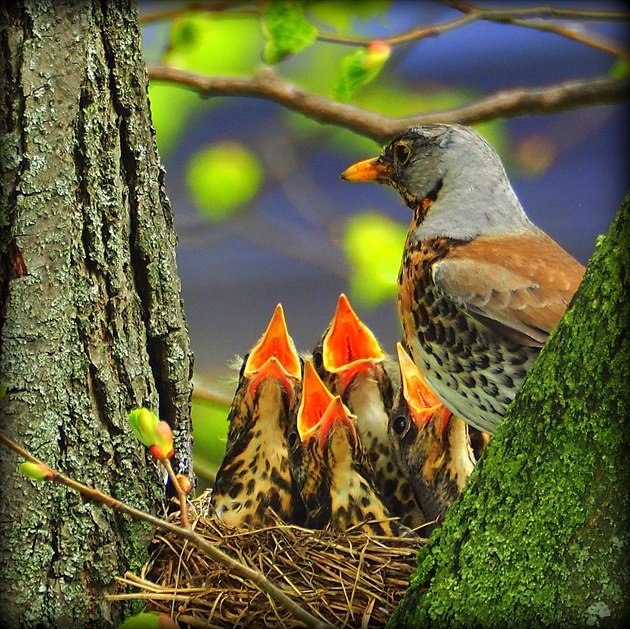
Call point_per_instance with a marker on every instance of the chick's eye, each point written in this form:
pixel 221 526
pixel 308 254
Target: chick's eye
pixel 318 360
pixel 292 439
pixel 399 424
pixel 402 153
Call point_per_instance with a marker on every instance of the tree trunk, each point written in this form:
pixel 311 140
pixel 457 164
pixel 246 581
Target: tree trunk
pixel 540 535
pixel 91 322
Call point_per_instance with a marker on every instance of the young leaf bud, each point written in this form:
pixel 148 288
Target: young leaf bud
pixel 162 446
pixel 184 483
pixel 36 471
pixel 143 425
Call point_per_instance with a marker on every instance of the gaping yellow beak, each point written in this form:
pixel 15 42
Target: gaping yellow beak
pixel 349 346
pixel 372 169
pixel 423 403
pixel 277 343
pixel 336 413
pixel 315 400
pixel 274 356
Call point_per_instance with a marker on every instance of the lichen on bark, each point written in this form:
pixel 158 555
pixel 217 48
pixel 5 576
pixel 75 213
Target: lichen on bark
pixel 91 321
pixel 540 534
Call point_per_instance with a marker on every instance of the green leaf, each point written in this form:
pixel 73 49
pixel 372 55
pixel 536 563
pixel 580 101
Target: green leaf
pixel 215 44
pixel 222 178
pixel 360 68
pixel 373 244
pixel 286 29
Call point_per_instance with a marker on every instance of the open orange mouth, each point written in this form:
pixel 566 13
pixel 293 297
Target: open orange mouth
pixel 423 403
pixel 274 355
pixel 349 345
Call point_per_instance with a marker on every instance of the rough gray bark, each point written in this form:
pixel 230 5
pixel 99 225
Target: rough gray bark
pixel 540 535
pixel 91 322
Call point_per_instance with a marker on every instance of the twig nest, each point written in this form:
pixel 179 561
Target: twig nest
pixel 351 579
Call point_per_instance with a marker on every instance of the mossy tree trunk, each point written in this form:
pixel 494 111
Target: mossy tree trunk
pixel 540 535
pixel 91 322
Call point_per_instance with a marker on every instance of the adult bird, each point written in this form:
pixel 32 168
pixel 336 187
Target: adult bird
pixel 255 475
pixel 431 445
pixel 480 286
pixel 351 363
pixel 331 467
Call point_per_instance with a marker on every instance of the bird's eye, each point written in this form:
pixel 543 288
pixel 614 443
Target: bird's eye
pixel 402 153
pixel 399 425
pixel 318 360
pixel 292 439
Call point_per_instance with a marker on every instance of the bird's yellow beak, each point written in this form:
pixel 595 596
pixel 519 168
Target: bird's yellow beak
pixel 275 342
pixel 336 413
pixel 372 169
pixel 313 404
pixel 349 346
pixel 423 403
pixel 274 355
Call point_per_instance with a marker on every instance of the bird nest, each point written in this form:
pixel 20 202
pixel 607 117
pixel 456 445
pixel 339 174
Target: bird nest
pixel 350 579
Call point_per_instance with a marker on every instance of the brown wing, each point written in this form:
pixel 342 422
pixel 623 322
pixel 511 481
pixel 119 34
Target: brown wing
pixel 519 286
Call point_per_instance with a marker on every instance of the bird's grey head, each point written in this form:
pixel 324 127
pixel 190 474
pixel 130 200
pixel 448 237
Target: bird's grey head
pixel 456 182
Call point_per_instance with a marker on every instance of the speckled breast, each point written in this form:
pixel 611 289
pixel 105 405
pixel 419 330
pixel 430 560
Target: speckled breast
pixel 473 371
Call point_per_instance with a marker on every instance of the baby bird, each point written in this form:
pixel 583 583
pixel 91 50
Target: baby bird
pixel 432 446
pixel 255 475
pixel 350 361
pixel 331 467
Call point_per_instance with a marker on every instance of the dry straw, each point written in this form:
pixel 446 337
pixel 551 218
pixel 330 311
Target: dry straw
pixel 349 580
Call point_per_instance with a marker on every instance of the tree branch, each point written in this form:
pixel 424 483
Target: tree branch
pixel 203 393
pixel 254 576
pixel 524 17
pixel 517 17
pixel 504 104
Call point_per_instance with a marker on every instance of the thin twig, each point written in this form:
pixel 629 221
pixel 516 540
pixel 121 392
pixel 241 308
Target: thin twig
pixel 406 37
pixel 181 494
pixel 529 17
pixel 214 7
pixel 252 575
pixel 541 12
pixel 206 394
pixel 503 104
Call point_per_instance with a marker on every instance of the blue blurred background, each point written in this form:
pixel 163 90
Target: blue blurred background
pixel 568 169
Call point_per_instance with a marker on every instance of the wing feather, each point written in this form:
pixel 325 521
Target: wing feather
pixel 518 286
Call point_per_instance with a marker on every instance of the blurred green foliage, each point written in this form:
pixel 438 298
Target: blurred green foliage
pixel 373 244
pixel 210 428
pixel 214 44
pixel 217 44
pixel 620 69
pixel 222 178
pixel 172 109
pixel 341 14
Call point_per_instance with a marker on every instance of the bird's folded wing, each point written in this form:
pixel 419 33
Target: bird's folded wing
pixel 517 286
